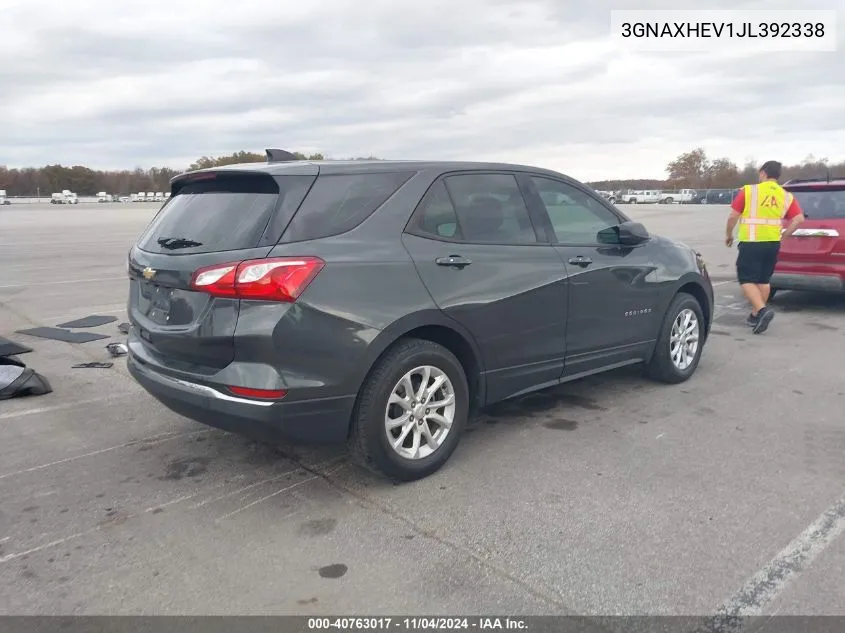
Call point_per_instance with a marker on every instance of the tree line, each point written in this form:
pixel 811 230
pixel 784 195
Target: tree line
pixel 84 181
pixel 692 170
pixel 695 170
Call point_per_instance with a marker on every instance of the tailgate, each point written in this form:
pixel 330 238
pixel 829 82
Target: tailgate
pixel 210 219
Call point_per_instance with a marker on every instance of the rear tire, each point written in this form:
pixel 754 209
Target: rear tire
pixel 668 201
pixel 772 294
pixel 672 345
pixel 369 441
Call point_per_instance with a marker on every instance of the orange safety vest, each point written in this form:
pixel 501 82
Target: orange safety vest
pixel 765 207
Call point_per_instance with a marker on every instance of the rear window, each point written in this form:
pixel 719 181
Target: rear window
pixel 822 203
pixel 225 212
pixel 338 203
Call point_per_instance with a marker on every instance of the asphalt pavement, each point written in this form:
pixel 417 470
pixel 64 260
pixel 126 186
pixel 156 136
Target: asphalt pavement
pixel 611 495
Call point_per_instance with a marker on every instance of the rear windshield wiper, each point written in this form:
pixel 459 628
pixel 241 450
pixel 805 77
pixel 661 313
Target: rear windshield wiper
pixel 173 243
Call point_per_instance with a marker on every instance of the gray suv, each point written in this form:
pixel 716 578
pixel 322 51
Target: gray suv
pixel 381 303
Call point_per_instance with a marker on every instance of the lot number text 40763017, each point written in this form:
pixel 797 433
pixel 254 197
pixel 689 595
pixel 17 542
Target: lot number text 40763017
pixel 417 624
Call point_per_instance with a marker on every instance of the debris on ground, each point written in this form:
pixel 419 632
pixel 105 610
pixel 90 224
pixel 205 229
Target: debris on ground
pixel 17 380
pixel 10 348
pixel 93 365
pixel 124 328
pixel 94 320
pixel 117 349
pixel 66 336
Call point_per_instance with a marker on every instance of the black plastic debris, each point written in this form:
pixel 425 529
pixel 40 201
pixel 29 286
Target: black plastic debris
pixel 63 335
pixel 17 380
pixel 124 328
pixel 10 348
pixel 93 365
pixel 94 320
pixel 117 349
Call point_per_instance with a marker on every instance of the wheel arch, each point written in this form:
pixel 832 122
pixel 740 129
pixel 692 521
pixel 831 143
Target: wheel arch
pixel 434 326
pixel 692 285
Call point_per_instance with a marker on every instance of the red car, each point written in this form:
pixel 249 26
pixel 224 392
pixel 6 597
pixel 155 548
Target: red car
pixel 813 258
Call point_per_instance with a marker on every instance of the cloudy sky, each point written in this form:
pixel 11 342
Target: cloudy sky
pixel 161 82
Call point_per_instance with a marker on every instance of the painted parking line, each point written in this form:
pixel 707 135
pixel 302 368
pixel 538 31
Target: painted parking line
pixel 147 441
pixel 56 407
pixel 64 281
pixel 768 583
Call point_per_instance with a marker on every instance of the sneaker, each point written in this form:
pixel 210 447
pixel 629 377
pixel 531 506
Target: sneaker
pixel 764 318
pixel 751 321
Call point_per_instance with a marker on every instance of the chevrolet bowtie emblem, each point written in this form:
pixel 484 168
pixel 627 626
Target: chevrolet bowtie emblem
pixel 148 273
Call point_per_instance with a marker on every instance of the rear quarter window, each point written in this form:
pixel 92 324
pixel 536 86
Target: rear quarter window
pixel 223 213
pixel 337 203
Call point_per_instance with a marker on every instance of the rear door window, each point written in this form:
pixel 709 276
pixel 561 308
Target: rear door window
pixel 224 212
pixel 475 208
pixel 337 203
pixel 826 203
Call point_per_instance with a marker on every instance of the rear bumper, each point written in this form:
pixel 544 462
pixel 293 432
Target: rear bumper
pixel 319 421
pixel 808 281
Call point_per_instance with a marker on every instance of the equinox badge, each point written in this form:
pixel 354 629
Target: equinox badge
pixel 148 273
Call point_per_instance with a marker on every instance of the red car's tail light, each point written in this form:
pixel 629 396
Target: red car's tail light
pixel 274 279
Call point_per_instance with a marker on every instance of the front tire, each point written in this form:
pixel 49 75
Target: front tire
pixel 668 201
pixel 411 411
pixel 680 342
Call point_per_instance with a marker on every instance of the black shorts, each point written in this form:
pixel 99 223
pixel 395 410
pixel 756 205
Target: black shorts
pixel 756 261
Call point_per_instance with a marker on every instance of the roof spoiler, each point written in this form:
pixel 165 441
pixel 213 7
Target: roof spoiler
pixel 279 156
pixel 826 178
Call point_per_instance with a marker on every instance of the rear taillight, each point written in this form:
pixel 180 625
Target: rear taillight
pixel 273 279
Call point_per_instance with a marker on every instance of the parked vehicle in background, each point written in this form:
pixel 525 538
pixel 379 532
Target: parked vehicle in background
pixel 608 195
pixel 70 197
pixel 714 196
pixel 151 196
pixel 380 303
pixel 813 258
pixel 3 199
pixel 102 196
pixel 57 198
pixel 648 196
pixel 141 197
pixel 159 196
pixel 682 196
pixel 124 199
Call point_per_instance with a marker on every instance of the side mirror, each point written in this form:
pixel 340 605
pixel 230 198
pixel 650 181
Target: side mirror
pixel 626 234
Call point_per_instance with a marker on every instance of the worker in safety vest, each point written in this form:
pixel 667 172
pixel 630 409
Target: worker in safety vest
pixel 760 211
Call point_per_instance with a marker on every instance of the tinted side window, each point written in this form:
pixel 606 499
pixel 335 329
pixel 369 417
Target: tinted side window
pixel 338 203
pixel 575 216
pixel 219 212
pixel 490 209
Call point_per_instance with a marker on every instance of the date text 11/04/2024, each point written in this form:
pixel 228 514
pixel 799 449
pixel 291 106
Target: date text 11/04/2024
pixel 743 30
pixel 417 624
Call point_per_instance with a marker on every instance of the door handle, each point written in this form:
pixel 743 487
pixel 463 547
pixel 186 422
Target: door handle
pixel 453 260
pixel 580 261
